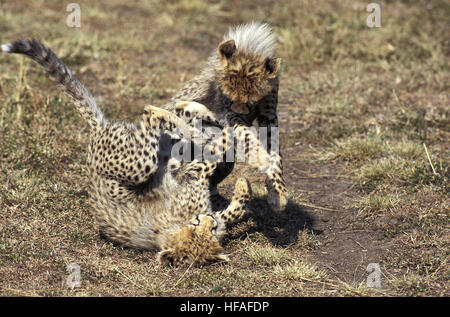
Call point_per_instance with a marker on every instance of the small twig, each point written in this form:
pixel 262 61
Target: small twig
pixel 129 279
pixel 364 249
pixel 182 276
pixel 429 159
pixel 317 207
pixel 353 231
pixel 348 189
pixel 398 101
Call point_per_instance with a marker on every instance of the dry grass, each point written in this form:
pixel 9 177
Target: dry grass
pixel 357 106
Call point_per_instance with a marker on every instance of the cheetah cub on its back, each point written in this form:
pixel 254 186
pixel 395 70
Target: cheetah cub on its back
pixel 140 195
pixel 239 84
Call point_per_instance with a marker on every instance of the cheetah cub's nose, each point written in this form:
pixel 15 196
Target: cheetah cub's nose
pixel 240 108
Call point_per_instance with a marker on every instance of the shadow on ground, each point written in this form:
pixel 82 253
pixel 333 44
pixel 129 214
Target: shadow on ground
pixel 280 228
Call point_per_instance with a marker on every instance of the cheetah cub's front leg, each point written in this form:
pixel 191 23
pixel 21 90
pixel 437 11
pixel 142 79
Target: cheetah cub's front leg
pixel 265 162
pixel 241 196
pixel 276 187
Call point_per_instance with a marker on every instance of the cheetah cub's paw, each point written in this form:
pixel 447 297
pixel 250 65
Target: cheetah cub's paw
pixel 189 110
pixel 277 197
pixel 236 209
pixel 242 190
pixel 166 120
pixel 153 111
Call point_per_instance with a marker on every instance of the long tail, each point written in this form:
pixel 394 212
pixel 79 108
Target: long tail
pixel 52 65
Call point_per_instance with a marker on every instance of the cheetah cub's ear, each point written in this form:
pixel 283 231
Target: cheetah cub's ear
pixel 166 257
pixel 226 49
pixel 272 66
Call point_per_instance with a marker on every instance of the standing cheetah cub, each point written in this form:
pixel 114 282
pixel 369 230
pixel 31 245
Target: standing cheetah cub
pixel 239 84
pixel 140 195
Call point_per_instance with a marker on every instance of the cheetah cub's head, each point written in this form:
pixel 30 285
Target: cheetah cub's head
pixel 195 243
pixel 245 77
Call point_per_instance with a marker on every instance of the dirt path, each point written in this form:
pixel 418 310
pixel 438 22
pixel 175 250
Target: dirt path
pixel 347 243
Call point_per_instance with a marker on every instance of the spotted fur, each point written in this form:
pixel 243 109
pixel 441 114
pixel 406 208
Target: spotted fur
pixel 140 195
pixel 239 84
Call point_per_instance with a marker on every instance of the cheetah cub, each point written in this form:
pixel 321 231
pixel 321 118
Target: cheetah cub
pixel 140 195
pixel 239 84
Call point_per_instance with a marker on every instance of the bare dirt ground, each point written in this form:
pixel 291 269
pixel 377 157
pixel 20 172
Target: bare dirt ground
pixel 364 136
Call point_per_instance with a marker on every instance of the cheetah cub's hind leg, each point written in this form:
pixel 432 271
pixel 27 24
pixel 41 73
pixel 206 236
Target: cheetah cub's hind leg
pixel 241 196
